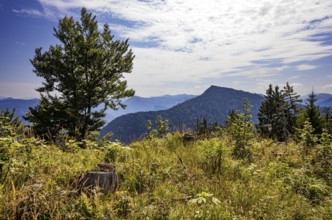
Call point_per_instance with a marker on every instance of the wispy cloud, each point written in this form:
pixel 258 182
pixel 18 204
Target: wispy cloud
pixel 31 12
pixel 328 86
pixel 297 85
pixel 294 77
pixel 35 13
pixel 303 67
pixel 228 34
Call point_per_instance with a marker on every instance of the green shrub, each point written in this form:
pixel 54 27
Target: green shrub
pixel 164 179
pixel 311 188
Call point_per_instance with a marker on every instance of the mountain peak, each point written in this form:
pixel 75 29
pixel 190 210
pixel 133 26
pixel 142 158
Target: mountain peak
pixel 218 88
pixel 213 105
pixel 220 91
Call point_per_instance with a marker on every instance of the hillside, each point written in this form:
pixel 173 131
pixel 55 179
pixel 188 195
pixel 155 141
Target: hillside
pixel 134 104
pixel 323 99
pixel 21 105
pixel 214 105
pixel 141 104
pixel 326 103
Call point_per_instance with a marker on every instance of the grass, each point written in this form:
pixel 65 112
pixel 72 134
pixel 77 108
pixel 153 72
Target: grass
pixel 166 179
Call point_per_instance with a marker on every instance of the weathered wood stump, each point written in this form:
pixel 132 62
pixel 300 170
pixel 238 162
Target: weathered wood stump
pixel 189 137
pixel 103 177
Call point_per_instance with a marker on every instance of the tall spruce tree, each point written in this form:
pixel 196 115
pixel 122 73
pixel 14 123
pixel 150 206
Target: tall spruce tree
pixel 266 112
pixel 311 113
pixel 84 71
pixel 278 112
pixel 293 102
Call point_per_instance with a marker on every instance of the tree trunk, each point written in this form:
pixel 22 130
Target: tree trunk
pixel 103 177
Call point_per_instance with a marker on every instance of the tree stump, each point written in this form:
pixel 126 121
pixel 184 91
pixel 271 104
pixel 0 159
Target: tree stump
pixel 103 177
pixel 189 137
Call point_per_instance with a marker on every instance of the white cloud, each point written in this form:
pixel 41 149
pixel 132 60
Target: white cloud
pixel 209 39
pixel 294 77
pixel 297 86
pixel 31 12
pixel 328 86
pixel 35 13
pixel 303 67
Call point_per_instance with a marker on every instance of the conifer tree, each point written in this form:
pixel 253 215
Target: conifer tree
pixel 241 128
pixel 266 112
pixel 84 71
pixel 278 112
pixel 311 113
pixel 293 101
pixel 327 116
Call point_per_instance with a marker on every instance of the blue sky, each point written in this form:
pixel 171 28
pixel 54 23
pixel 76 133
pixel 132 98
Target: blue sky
pixel 184 46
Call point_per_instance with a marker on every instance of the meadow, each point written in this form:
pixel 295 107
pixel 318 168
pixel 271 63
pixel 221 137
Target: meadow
pixel 167 178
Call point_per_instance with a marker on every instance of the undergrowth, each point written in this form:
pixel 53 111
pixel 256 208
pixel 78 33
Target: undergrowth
pixel 165 178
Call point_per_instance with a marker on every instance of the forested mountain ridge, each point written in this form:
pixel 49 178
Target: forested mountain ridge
pixel 323 99
pixel 213 105
pixel 21 106
pixel 142 104
pixel 134 104
pixel 325 103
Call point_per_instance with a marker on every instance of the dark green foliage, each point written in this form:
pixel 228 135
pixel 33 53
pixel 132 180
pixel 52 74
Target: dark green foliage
pixel 81 73
pixel 10 126
pixel 311 112
pixel 241 129
pixel 303 183
pixel 327 116
pixel 213 105
pixel 158 130
pixel 323 159
pixel 292 104
pixel 278 112
pixel 306 136
pixel 203 129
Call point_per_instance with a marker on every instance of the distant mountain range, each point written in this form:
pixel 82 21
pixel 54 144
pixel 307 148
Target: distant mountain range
pixel 134 104
pixel 323 99
pixel 140 104
pixel 181 110
pixel 325 103
pixel 214 105
pixel 21 105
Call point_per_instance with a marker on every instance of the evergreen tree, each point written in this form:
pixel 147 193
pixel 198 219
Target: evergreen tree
pixel 327 116
pixel 278 112
pixel 10 127
pixel 266 112
pixel 271 114
pixel 293 101
pixel 312 114
pixel 83 72
pixel 241 128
